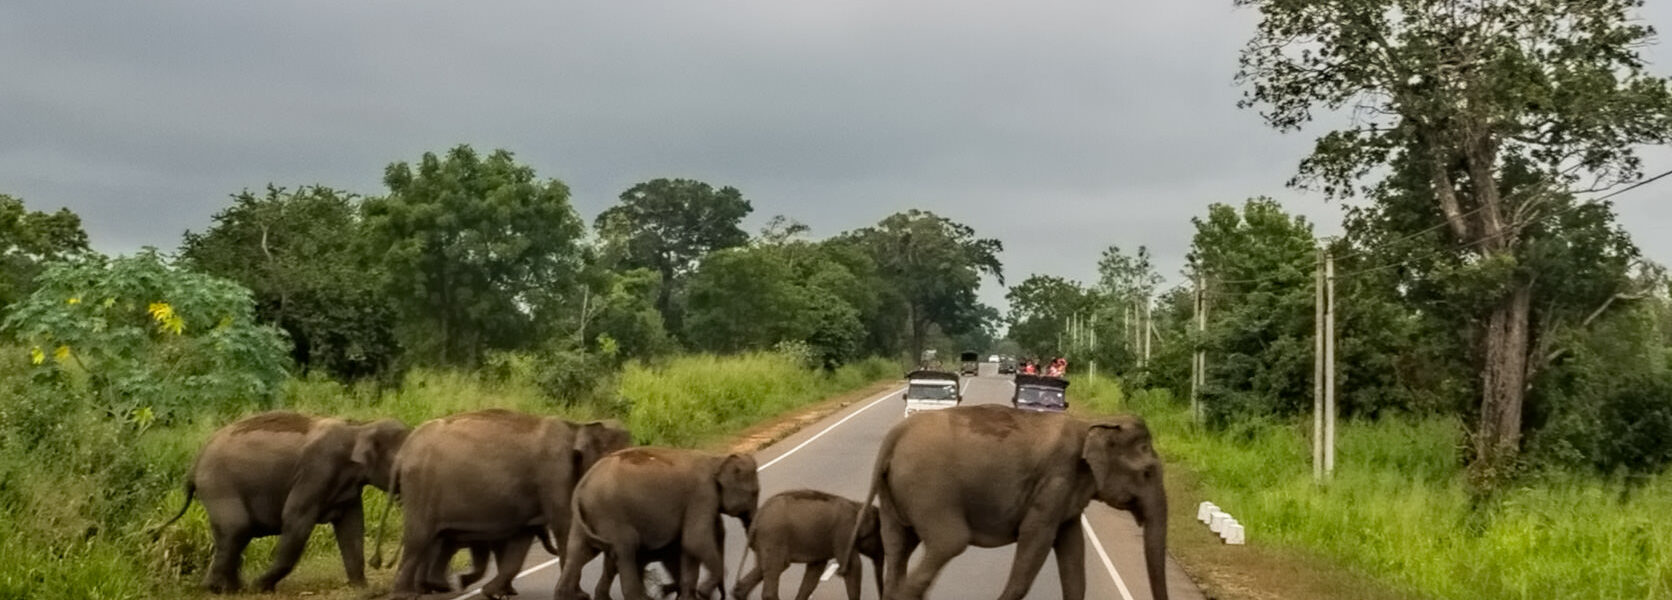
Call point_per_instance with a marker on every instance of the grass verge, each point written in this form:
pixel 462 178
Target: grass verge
pixel 1397 520
pixel 78 492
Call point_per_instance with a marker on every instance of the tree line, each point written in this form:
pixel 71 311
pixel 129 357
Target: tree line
pixel 1480 275
pixel 465 255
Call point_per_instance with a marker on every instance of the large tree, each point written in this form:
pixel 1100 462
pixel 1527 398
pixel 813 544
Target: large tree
pixel 297 252
pixel 668 225
pixel 469 246
pixel 1502 106
pixel 1039 308
pixel 30 238
pixel 935 264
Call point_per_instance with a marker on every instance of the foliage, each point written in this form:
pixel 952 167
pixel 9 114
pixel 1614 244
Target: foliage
pixel 744 299
pixel 27 240
pixel 1399 508
pixel 155 342
pixel 1608 404
pixel 297 252
pixel 935 265
pixel 667 225
pixel 1491 113
pixel 1039 308
pixel 621 312
pixel 693 399
pixel 471 248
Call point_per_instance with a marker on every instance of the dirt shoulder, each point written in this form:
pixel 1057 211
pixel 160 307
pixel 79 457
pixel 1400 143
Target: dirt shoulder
pixel 774 430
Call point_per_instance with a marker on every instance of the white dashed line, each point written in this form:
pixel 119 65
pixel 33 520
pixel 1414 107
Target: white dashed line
pixel 1104 554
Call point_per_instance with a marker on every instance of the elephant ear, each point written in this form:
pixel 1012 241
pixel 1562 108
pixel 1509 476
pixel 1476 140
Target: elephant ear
pixel 1099 450
pixel 595 439
pixel 736 469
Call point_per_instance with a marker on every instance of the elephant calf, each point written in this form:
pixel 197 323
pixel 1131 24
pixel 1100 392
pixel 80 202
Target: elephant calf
pixel 810 527
pixel 280 473
pixel 643 502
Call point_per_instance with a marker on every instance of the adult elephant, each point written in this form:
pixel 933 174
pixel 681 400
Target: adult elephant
pixel 281 473
pixel 490 479
pixel 643 502
pixel 993 475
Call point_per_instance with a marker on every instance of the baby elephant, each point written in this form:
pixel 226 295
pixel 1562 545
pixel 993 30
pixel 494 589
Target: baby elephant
pixel 809 526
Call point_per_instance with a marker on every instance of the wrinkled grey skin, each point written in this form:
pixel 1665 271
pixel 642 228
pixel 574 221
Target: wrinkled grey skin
pixel 809 527
pixel 490 480
pixel 669 557
pixel 643 502
pixel 993 475
pixel 281 473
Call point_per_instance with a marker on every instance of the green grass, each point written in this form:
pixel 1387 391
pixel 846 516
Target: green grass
pixel 78 492
pixel 1398 509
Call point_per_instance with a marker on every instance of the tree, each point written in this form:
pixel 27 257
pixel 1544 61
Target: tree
pixel 297 253
pixel 156 341
pixel 745 299
pixel 935 264
pixel 1257 267
pixel 1499 108
pixel 667 225
pixel 1039 308
pixel 27 240
pixel 468 247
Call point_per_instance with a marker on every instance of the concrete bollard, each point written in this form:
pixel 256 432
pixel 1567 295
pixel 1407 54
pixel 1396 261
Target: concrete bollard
pixel 1204 511
pixel 1219 519
pixel 1233 533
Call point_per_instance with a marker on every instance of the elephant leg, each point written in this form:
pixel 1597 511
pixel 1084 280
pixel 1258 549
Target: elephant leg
pixel 579 552
pixel 511 556
pixel 293 539
pixel 435 571
pixel 230 540
pixel 855 579
pixel 951 537
pixel 350 530
pixel 898 542
pixel 1071 560
pixel 606 580
pixel 479 556
pixel 772 572
pixel 703 545
pixel 1032 546
pixel 747 582
pixel 810 580
pixel 420 550
pixel 628 570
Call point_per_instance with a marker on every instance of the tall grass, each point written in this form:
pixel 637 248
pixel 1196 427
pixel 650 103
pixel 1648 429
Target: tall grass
pixel 79 492
pixel 1398 508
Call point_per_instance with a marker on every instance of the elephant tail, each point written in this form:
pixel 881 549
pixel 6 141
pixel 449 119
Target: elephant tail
pixel 191 490
pixel 879 476
pixel 546 540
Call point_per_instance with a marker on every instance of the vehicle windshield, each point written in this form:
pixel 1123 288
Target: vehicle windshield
pixel 1040 396
pixel 933 391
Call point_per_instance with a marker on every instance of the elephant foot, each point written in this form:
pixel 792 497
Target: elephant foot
pixel 469 579
pixel 223 587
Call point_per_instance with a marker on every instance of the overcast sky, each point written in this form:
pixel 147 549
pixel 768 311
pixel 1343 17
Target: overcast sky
pixel 1059 127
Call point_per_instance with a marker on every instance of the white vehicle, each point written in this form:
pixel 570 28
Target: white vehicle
pixel 931 390
pixel 993 359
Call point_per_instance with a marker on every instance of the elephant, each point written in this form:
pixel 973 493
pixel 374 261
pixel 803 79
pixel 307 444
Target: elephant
pixel 811 527
pixel 489 480
pixel 992 475
pixel 281 473
pixel 646 501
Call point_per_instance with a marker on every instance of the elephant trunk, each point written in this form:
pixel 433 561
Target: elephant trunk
pixel 1154 522
pixel 377 547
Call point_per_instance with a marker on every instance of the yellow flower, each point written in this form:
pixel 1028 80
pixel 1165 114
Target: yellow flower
pixel 62 353
pixel 36 356
pixel 167 320
pixel 73 301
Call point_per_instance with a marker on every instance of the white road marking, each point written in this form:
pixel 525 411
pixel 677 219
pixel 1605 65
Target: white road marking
pixel 478 591
pixel 827 429
pixel 538 567
pixel 1104 554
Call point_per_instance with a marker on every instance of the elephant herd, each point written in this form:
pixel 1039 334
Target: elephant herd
pixel 494 481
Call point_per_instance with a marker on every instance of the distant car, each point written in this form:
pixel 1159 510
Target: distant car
pixel 969 363
pixel 931 390
pixel 1040 394
pixel 993 359
pixel 1007 365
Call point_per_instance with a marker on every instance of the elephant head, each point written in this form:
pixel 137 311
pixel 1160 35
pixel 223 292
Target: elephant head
pixel 595 439
pixel 740 487
pixel 1127 475
pixel 375 445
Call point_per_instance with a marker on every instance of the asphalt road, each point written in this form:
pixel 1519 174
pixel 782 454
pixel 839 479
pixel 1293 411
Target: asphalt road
pixel 836 456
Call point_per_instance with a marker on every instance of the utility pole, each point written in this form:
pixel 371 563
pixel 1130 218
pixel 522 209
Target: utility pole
pixel 1329 364
pixel 1149 326
pixel 1318 370
pixel 1198 361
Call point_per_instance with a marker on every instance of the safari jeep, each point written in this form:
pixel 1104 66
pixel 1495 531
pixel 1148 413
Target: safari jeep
pixel 931 390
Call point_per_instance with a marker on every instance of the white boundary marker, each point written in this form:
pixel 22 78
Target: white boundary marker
pixel 1097 545
pixel 541 566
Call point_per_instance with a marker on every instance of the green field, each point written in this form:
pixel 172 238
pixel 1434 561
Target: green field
pixel 79 491
pixel 1399 510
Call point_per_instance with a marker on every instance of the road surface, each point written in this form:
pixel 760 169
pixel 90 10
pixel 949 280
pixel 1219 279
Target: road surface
pixel 836 455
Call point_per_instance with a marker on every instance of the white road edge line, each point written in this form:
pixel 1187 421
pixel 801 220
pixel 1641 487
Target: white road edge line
pixel 1104 554
pixel 531 570
pixel 828 429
